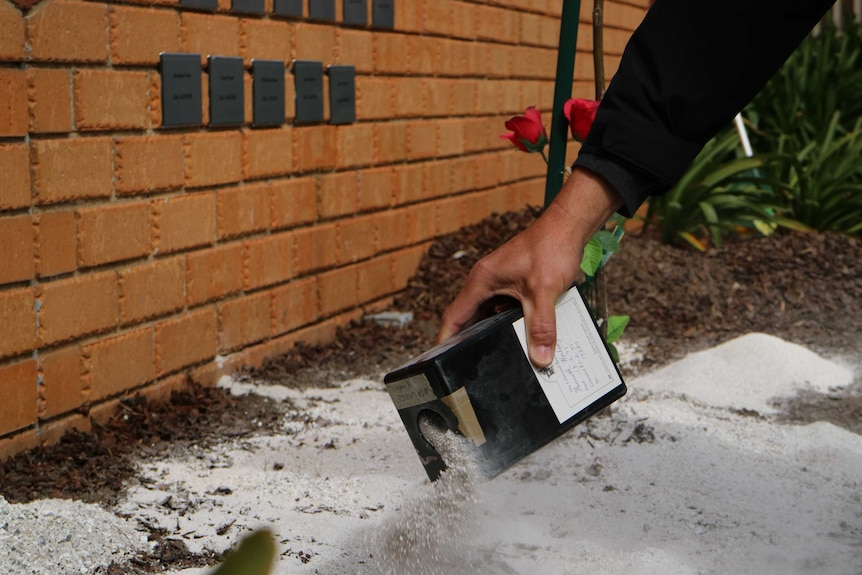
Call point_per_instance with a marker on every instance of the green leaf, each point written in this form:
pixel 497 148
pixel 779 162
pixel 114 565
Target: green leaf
pixel 592 257
pixel 253 556
pixel 608 241
pixel 615 354
pixel 616 326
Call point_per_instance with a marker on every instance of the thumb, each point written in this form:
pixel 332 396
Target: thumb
pixel 541 323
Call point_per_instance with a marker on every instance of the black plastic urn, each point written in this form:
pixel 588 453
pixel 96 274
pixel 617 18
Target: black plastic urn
pixel 481 384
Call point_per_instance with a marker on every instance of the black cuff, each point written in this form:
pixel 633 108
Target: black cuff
pixel 634 186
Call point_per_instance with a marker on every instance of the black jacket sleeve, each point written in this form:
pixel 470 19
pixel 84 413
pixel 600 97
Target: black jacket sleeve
pixel 687 70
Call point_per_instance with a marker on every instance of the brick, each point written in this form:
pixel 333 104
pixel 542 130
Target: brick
pixel 16 237
pixel 452 58
pixel 314 42
pixel 149 163
pixel 210 34
pixel 120 363
pixel 465 97
pixel 315 147
pixel 437 96
pixel 375 189
pixel 152 289
pixel 68 31
pixel 19 443
pixel 71 169
pixel 267 153
pixel 510 97
pixel 462 174
pixel 214 273
pixel 450 215
pixel 244 321
pixel 421 140
pixel 375 98
pixel 15 167
pixel 356 48
pixel 476 206
pixel 186 340
pixel 294 305
pixel 404 265
pixel 438 16
pixel 355 145
pixel 56 244
pixel 409 98
pixel 422 222
pixel 114 232
pixel 243 210
pixel 14 115
pixel 19 408
pixel 374 279
pixel 618 15
pixel 214 158
pixel 111 100
pixel 266 39
pixel 392 230
pixel 293 202
pixel 337 290
pixel 390 140
pixel 61 388
pixel 315 248
pixel 269 261
pixel 408 183
pixel 77 306
pixel 487 170
pixel 50 99
pixel 12 39
pixel 337 194
pixel 17 321
pixel 138 35
pixel 183 222
pixel 451 141
pixel 499 60
pixel 424 54
pixel 356 239
pixel 391 54
pixel 436 181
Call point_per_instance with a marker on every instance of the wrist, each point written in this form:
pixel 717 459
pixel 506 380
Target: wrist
pixel 585 202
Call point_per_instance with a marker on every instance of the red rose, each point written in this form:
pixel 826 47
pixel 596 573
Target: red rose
pixel 580 113
pixel 527 132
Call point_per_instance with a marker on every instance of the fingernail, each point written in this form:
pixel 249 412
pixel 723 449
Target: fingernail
pixel 542 355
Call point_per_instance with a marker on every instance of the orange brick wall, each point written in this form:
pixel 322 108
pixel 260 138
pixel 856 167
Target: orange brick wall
pixel 134 257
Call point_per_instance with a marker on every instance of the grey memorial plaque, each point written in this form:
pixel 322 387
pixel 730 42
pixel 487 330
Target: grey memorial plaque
pixel 308 80
pixel 268 89
pixel 383 13
pixel 356 12
pixel 181 90
pixel 207 5
pixel 256 7
pixel 291 8
pixel 342 94
pixel 321 9
pixel 227 97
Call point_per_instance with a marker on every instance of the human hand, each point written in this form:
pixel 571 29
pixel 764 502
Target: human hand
pixel 538 265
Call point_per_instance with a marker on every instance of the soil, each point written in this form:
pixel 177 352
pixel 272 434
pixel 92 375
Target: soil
pixel 804 288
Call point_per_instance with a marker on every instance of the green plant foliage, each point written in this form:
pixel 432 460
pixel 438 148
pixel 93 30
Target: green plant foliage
pixel 808 121
pixel 722 191
pixel 616 326
pixel 253 556
pixel 824 178
pixel 823 76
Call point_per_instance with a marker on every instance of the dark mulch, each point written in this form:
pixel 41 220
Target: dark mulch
pixel 94 466
pixel 805 288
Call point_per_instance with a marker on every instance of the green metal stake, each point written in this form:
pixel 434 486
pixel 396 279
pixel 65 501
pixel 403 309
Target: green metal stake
pixel 562 92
